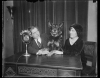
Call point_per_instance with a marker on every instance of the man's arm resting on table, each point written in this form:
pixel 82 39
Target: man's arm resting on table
pixel 32 50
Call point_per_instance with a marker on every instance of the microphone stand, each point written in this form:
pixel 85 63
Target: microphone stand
pixel 26 40
pixel 26 54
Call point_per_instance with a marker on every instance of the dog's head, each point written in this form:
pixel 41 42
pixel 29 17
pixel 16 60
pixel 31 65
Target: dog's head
pixel 55 30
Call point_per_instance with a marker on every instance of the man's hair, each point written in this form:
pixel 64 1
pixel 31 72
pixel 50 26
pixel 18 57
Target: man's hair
pixel 32 27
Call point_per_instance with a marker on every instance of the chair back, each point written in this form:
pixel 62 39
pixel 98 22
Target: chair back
pixel 90 52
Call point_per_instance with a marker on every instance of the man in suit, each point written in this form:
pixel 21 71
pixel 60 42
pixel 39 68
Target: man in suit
pixel 37 42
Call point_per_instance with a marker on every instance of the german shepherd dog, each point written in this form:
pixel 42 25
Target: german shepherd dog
pixel 55 38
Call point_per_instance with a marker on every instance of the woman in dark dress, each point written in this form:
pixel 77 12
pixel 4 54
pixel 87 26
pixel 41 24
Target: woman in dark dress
pixel 74 44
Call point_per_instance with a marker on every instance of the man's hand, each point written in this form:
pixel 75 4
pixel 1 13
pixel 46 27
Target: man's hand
pixel 39 52
pixel 42 51
pixel 49 43
pixel 57 44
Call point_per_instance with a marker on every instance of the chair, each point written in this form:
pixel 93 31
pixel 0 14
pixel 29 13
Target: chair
pixel 90 55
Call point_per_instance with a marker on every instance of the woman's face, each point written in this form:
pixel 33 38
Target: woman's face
pixel 72 33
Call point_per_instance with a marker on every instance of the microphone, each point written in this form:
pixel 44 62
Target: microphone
pixel 26 39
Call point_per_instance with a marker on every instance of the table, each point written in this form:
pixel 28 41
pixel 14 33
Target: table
pixel 45 66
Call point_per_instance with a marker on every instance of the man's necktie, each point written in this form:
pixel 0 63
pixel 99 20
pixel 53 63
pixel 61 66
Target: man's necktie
pixel 39 44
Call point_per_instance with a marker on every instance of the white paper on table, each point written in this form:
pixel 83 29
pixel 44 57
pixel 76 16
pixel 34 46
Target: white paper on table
pixel 42 52
pixel 58 52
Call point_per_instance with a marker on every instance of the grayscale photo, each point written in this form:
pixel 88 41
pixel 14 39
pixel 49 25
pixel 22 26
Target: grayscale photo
pixel 49 38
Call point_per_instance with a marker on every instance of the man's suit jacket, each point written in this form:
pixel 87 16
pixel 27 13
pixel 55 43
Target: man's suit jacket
pixel 33 47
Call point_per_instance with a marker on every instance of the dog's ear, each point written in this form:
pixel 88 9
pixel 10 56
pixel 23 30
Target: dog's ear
pixel 60 25
pixel 49 24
